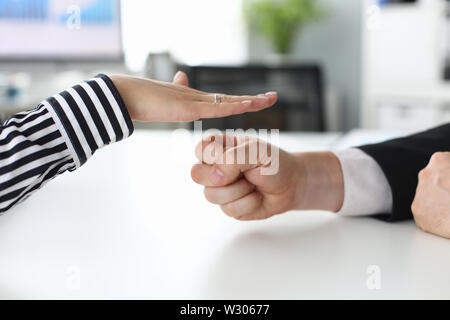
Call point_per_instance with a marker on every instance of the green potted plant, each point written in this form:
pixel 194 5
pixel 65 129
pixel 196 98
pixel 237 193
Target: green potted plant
pixel 280 21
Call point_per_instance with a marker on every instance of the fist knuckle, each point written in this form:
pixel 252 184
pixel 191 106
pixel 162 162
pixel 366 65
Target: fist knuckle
pixel 424 174
pixel 210 195
pixel 194 174
pixel 228 210
pixel 440 157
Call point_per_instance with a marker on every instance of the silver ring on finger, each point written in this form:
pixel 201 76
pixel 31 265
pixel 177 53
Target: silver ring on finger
pixel 218 98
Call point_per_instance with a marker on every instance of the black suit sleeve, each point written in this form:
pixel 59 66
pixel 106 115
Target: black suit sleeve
pixel 401 161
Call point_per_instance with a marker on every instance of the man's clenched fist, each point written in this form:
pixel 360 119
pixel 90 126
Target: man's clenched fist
pixel 431 206
pixel 252 180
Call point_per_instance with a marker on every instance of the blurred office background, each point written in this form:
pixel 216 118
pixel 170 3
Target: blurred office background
pixel 373 64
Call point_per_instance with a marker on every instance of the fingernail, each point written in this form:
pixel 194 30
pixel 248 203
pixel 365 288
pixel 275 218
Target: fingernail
pixel 177 75
pixel 247 102
pixel 271 93
pixel 217 176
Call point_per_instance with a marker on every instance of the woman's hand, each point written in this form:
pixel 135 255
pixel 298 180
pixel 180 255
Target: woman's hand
pixel 155 101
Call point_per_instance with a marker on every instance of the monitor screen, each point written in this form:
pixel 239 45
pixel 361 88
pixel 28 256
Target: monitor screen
pixel 68 30
pixel 383 2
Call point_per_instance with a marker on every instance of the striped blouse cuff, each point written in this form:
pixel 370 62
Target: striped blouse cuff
pixel 90 115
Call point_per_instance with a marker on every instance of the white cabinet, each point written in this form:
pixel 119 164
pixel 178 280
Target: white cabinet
pixel 410 113
pixel 402 67
pixel 405 114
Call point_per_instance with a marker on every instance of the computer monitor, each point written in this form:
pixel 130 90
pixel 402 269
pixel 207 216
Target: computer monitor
pixel 60 30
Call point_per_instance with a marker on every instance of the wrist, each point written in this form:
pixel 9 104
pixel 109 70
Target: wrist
pixel 321 182
pixel 122 84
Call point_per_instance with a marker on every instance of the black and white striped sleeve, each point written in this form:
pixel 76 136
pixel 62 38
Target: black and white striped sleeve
pixel 59 135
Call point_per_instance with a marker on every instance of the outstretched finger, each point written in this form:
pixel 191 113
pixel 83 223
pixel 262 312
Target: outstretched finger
pixel 225 109
pixel 259 102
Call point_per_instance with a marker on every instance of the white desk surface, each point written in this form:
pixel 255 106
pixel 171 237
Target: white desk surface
pixel 132 224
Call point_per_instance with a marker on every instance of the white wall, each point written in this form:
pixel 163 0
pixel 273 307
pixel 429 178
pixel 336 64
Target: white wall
pixel 195 31
pixel 335 43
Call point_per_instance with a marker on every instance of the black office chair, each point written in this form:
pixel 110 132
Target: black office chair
pixel 300 104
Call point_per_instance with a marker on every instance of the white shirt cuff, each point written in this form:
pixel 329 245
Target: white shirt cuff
pixel 367 191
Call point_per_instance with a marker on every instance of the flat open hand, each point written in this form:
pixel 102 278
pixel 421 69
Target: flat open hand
pixel 150 100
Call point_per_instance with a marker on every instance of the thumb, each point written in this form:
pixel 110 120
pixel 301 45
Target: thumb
pixel 237 160
pixel 181 79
